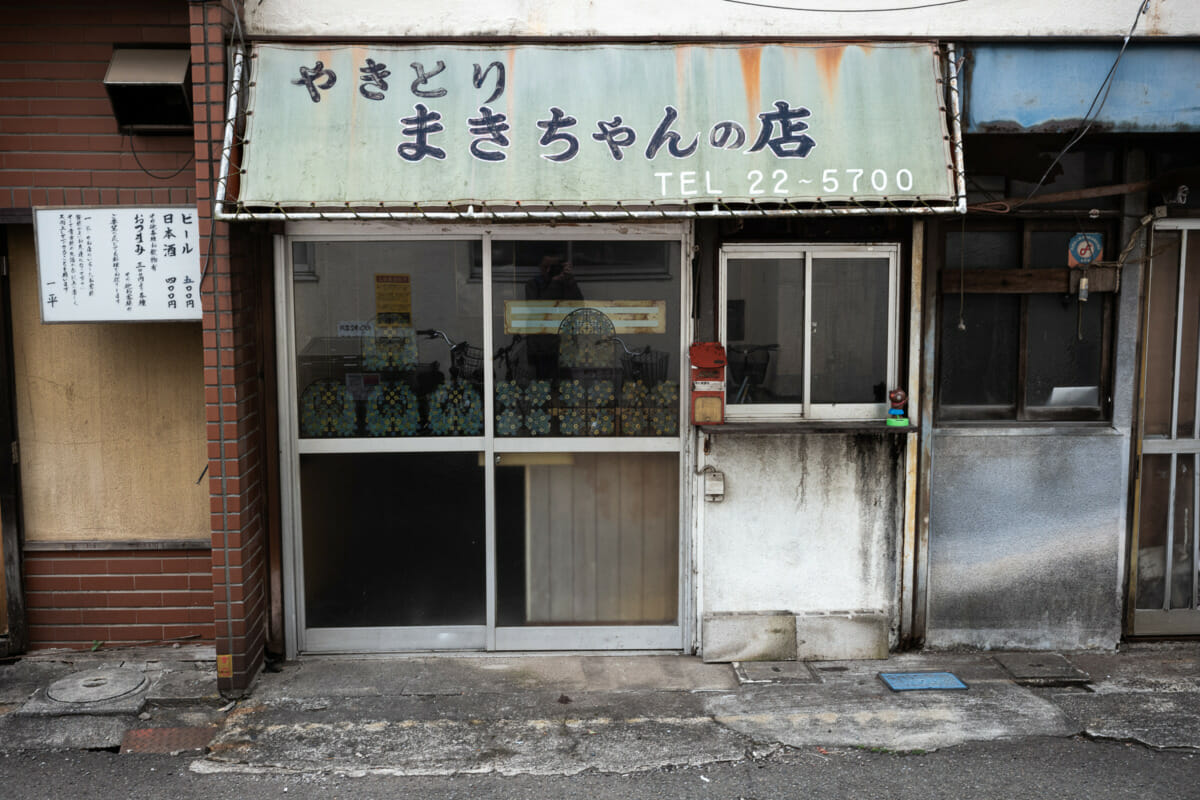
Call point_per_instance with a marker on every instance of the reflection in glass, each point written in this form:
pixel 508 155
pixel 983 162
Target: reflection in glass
pixel 764 330
pixel 1189 339
pixel 587 538
pixel 388 338
pixel 1065 351
pixel 1160 333
pixel 979 362
pixel 983 249
pixel 393 539
pixel 587 338
pixel 1182 570
pixel 849 330
pixel 1152 530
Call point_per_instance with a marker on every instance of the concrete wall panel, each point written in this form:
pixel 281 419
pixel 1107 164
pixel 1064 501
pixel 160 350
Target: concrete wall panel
pixel 809 524
pixel 1025 542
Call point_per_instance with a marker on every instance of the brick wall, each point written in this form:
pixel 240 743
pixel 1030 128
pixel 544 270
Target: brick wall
pixel 76 598
pixel 233 375
pixel 59 143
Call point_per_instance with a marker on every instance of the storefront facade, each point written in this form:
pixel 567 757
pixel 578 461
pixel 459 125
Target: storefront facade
pixel 455 266
pixel 562 478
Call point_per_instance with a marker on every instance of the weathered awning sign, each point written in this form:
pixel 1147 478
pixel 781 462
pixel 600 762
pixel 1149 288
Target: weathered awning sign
pixel 382 125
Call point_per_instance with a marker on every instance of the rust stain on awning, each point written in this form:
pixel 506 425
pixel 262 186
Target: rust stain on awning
pixel 829 62
pixel 752 78
pixel 510 94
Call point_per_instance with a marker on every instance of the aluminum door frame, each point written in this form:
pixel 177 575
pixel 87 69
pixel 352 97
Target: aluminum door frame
pixel 1167 621
pixel 488 637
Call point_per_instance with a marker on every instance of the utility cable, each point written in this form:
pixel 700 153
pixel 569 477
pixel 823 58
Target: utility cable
pixel 156 176
pixel 1101 97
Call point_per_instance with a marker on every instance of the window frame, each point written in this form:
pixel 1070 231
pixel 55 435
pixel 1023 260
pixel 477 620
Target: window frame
pixel 1025 281
pixel 807 410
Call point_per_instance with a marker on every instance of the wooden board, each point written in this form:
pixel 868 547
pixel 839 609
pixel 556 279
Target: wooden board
pixel 602 539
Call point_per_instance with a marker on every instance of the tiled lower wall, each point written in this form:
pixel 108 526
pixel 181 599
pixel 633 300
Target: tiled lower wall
pixel 78 598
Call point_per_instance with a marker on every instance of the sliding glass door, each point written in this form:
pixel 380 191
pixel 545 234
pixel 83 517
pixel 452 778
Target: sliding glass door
pixel 483 438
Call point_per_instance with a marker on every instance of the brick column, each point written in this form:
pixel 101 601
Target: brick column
pixel 232 385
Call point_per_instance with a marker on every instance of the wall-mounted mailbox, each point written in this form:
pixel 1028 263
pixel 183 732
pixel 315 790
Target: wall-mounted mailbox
pixel 708 383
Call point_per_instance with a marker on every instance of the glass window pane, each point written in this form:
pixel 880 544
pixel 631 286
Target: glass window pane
pixel 850 330
pixel 393 539
pixel 1065 348
pixel 1048 249
pixel 1152 530
pixel 1189 334
pixel 388 339
pixel 1182 571
pixel 765 330
pixel 979 361
pixel 587 338
pixel 983 250
pixel 587 538
pixel 1160 329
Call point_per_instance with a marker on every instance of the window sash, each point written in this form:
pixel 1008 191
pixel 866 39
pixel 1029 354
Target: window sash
pixel 1036 281
pixel 808 410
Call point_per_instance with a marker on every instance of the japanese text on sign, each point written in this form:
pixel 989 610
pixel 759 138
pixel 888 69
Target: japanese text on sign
pixel 118 263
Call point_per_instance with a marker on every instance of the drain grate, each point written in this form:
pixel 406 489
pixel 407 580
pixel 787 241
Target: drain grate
pixel 167 740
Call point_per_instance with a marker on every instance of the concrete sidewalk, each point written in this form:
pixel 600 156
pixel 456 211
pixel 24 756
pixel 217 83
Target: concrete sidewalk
pixel 563 714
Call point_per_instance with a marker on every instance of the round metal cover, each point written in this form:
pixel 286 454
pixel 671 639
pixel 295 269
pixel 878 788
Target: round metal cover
pixel 96 685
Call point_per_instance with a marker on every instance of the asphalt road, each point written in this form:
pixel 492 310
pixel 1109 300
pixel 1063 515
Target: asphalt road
pixel 1029 768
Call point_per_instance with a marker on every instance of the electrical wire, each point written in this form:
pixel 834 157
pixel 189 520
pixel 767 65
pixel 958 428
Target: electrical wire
pixel 1101 97
pixel 142 166
pixel 916 7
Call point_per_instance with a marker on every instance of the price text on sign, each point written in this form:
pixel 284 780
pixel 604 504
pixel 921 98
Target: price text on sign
pixel 118 263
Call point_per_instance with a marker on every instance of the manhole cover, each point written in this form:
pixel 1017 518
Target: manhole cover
pixel 96 685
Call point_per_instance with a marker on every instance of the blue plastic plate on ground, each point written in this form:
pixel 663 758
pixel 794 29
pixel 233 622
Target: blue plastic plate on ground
pixel 918 681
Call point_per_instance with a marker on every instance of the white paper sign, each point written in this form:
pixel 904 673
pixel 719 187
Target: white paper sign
pixel 118 263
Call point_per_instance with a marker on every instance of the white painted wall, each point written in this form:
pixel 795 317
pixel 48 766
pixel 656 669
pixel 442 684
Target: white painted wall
pixel 792 19
pixel 809 524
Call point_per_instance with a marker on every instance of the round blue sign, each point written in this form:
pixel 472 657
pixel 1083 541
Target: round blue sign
pixel 1085 248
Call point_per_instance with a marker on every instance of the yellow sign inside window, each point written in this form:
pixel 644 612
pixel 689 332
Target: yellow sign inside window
pixel 393 298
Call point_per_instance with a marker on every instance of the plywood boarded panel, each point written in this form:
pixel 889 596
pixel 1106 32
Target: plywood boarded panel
pixel 111 420
pixel 603 539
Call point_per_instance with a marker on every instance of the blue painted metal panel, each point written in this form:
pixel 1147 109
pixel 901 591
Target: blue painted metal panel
pixel 921 681
pixel 1049 87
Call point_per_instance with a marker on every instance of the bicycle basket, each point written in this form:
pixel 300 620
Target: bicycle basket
pixel 467 362
pixel 646 365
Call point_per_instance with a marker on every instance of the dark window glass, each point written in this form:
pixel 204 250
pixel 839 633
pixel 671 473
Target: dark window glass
pixel 1065 343
pixel 393 539
pixel 586 338
pixel 849 330
pixel 987 318
pixel 979 360
pixel 765 331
